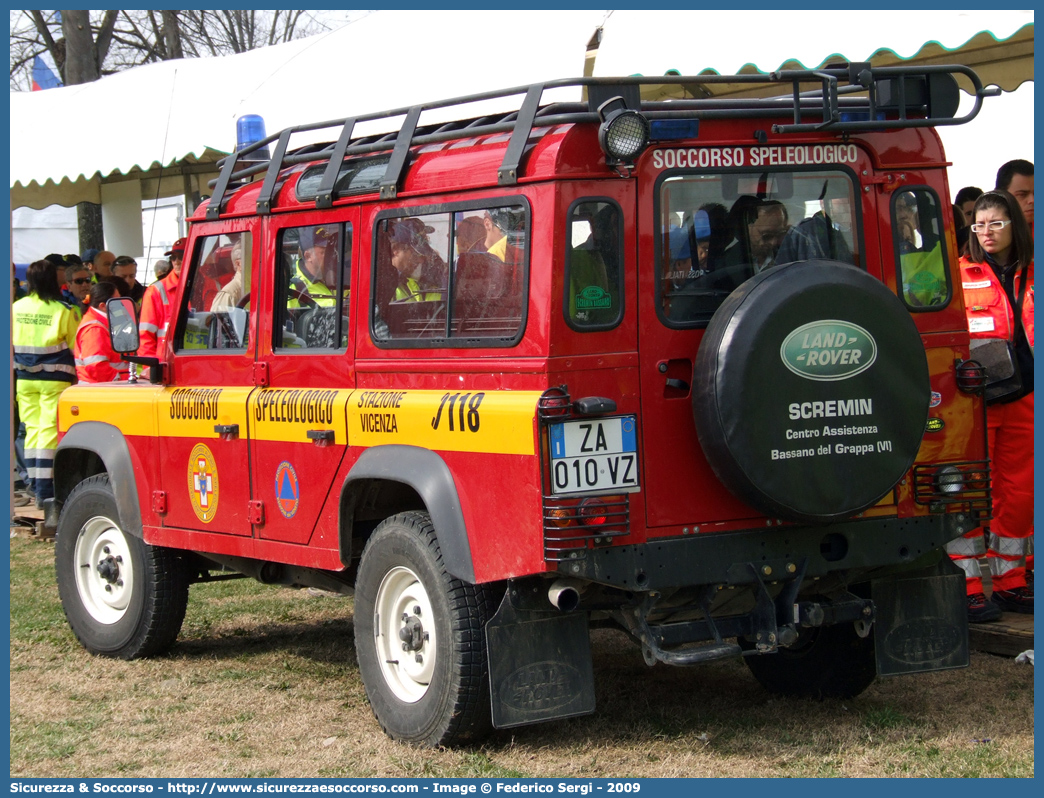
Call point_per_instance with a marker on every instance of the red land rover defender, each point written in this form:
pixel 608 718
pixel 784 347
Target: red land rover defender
pixel 694 368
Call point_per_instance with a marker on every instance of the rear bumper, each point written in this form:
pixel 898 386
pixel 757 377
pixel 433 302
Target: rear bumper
pixel 777 553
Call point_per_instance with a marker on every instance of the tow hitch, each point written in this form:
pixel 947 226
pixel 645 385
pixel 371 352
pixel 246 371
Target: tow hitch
pixel 771 624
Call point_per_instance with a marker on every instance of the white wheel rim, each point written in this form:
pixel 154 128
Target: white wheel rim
pixel 406 672
pixel 104 570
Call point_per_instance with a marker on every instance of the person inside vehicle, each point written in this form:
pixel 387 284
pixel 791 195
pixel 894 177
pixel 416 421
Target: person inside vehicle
pixel 232 292
pixel 921 258
pixel 496 240
pixel 759 226
pixel 470 235
pixel 315 276
pixel 704 234
pixel 421 271
pixel 817 237
pixel 906 218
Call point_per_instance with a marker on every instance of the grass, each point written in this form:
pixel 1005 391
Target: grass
pixel 263 682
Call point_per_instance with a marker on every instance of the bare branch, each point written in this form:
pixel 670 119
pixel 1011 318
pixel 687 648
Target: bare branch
pixel 118 40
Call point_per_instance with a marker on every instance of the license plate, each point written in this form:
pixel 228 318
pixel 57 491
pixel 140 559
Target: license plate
pixel 594 456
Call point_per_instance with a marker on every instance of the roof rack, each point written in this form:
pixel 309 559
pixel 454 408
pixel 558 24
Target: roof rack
pixel 848 98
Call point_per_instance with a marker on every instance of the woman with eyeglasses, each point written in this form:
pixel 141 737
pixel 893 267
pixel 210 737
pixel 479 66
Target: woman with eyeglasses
pixel 43 334
pixel 997 277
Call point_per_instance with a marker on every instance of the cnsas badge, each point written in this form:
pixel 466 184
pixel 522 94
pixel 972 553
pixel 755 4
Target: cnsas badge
pixel 287 489
pixel 203 483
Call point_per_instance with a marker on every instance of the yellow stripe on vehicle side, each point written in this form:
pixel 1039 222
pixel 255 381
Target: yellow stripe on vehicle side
pixel 194 412
pixel 127 406
pixel 288 414
pixel 497 422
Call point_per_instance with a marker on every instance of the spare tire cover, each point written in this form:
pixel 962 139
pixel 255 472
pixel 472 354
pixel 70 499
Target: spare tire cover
pixel 811 391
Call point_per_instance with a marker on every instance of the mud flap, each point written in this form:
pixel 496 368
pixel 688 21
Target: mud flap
pixel 922 622
pixel 539 665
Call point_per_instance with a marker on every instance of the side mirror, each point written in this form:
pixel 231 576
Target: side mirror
pixel 123 333
pixel 123 325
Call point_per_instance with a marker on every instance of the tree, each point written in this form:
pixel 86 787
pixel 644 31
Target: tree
pixel 86 45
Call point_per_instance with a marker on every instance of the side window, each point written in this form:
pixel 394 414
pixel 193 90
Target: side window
pixel 594 273
pixel 314 285
pixel 219 294
pixel 924 274
pixel 456 277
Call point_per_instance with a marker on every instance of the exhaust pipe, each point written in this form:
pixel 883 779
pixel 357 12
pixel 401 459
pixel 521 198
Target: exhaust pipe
pixel 564 594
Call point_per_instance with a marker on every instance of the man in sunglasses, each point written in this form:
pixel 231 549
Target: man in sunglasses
pixel 77 286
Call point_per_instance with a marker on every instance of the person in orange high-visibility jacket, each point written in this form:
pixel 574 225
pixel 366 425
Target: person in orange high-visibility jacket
pixel 43 334
pixel 96 361
pixel 157 305
pixel 997 270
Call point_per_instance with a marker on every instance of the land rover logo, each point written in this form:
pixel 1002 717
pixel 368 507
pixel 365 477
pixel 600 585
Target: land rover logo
pixel 828 350
pixel 541 686
pixel 593 296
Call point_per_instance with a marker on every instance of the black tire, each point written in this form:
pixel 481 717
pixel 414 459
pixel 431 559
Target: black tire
pixel 443 699
pixel 811 391
pixel 122 597
pixel 826 662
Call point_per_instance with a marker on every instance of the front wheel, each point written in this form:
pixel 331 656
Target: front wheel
pixel 826 662
pixel 420 637
pixel 122 597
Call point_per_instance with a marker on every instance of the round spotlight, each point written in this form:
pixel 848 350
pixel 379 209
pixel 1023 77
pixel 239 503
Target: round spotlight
pixel 624 133
pixel 949 479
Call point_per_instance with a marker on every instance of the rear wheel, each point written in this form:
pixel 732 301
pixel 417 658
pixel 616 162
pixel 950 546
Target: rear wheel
pixel 826 662
pixel 420 637
pixel 122 597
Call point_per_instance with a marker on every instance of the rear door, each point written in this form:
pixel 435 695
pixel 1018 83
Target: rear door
pixel 704 232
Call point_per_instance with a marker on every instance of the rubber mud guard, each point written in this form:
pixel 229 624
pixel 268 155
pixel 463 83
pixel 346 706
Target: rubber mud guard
pixel 811 391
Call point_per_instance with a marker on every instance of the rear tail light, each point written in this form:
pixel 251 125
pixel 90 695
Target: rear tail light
pixel 561 517
pixel 594 512
pixel 971 376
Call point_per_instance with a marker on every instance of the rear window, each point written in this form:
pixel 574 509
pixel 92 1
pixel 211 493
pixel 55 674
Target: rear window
pixel 717 230
pixel 451 278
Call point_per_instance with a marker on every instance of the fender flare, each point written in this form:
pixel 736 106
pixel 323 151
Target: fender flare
pixel 108 443
pixel 427 473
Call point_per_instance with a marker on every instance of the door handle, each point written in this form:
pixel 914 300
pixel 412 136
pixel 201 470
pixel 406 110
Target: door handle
pixel 227 432
pixel 681 385
pixel 321 437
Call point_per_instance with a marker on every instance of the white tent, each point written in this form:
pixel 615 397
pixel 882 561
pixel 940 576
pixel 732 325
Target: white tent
pixel 735 42
pixel 384 60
